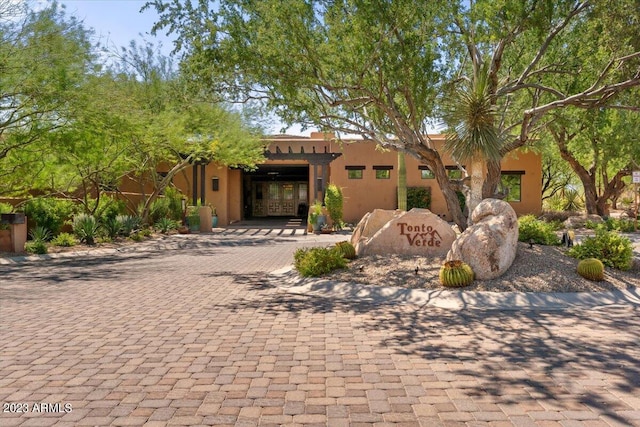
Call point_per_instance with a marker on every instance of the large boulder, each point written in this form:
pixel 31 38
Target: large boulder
pixel 489 245
pixel 417 232
pixel 370 223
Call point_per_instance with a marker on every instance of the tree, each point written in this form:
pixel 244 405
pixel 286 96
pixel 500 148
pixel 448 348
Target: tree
pixel 44 57
pixel 376 68
pixel 474 136
pixel 601 147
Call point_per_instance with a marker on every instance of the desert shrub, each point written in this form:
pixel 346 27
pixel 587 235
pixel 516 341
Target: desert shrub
pixel 36 247
pixel 129 224
pixel 85 227
pixel 112 227
pixel 418 197
pixel 107 208
pixel 49 213
pixel 159 209
pixel 174 197
pixel 315 262
pixel 613 250
pixel 164 225
pixel 333 200
pixel 136 237
pixel 145 232
pixel 613 224
pixel 38 244
pixel 346 249
pixel 556 216
pixel 64 239
pixel 540 232
pixel 40 233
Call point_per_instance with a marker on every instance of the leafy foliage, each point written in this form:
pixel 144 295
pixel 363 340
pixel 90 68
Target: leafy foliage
pixel 86 227
pixel 333 201
pixel 112 227
pixel 64 239
pixel 36 247
pixel 129 224
pixel 540 232
pixel 613 224
pixel 40 233
pixel 5 208
pixel 418 197
pixel 313 262
pixel 613 250
pixel 164 225
pixel 49 213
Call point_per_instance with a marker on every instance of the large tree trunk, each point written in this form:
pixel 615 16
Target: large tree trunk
pixel 478 166
pixel 402 182
pixel 434 162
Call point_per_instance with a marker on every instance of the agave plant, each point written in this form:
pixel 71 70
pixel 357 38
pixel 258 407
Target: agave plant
pixel 40 234
pixel 85 227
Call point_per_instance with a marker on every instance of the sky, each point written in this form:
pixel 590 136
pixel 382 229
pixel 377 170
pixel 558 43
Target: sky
pixel 117 22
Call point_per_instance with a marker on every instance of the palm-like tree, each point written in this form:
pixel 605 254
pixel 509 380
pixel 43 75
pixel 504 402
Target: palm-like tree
pixel 473 135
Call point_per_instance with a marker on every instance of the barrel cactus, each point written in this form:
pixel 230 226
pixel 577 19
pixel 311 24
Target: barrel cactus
pixel 591 269
pixel 455 274
pixel 346 249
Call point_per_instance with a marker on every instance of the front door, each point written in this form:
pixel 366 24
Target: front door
pixel 282 198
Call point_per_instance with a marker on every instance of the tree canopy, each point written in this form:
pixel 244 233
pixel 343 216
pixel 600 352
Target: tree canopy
pixel 384 70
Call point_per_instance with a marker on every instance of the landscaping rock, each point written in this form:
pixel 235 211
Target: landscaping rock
pixel 489 245
pixel 370 223
pixel 417 232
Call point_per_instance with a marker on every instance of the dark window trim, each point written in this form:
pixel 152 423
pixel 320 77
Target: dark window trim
pixel 423 168
pixel 355 168
pixel 383 168
pixel 513 172
pixel 449 168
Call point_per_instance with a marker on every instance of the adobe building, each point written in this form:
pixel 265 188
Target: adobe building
pixel 297 170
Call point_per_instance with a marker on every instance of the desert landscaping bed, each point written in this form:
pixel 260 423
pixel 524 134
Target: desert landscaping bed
pixel 537 269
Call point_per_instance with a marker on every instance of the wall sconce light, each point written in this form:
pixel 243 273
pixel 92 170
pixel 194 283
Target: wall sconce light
pixel 215 183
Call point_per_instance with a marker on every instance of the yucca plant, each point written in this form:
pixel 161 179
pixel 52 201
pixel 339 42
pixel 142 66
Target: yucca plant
pixel 40 234
pixel 85 227
pixel 129 224
pixel 112 227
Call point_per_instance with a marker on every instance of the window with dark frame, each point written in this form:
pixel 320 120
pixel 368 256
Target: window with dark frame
pixel 354 172
pixel 511 184
pixel 383 171
pixel 426 173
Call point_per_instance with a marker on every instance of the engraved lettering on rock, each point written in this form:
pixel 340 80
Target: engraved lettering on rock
pixel 420 235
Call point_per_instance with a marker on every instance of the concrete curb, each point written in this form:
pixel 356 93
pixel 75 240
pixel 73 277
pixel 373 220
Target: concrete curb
pixel 455 299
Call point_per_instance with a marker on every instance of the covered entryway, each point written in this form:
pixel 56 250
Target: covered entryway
pixel 276 191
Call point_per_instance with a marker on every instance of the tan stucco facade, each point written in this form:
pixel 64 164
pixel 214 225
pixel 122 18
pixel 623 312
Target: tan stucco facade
pixel 297 170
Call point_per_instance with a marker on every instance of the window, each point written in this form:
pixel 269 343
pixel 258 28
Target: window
pixel 383 172
pixel 511 184
pixel 425 172
pixel 354 172
pixel 455 174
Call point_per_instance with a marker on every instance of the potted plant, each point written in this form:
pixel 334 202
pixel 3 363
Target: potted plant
pixel 316 218
pixel 214 217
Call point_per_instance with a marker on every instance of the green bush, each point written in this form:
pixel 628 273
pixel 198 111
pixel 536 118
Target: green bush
pixel 108 208
pixel 36 247
pixel 613 250
pixel 333 200
pixel 315 262
pixel 85 227
pixel 5 208
pixel 40 234
pixel 174 196
pixel 159 209
pixel 613 224
pixel 112 226
pixel 418 197
pixel 64 239
pixel 164 225
pixel 532 229
pixel 137 236
pixel 49 213
pixel 129 224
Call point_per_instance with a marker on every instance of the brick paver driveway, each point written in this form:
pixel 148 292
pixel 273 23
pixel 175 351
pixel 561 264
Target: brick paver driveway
pixel 197 334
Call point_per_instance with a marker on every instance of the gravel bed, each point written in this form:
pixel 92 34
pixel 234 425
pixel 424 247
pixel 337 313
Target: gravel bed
pixel 537 269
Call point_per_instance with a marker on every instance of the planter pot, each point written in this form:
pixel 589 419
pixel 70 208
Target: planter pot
pixel 193 222
pixel 214 221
